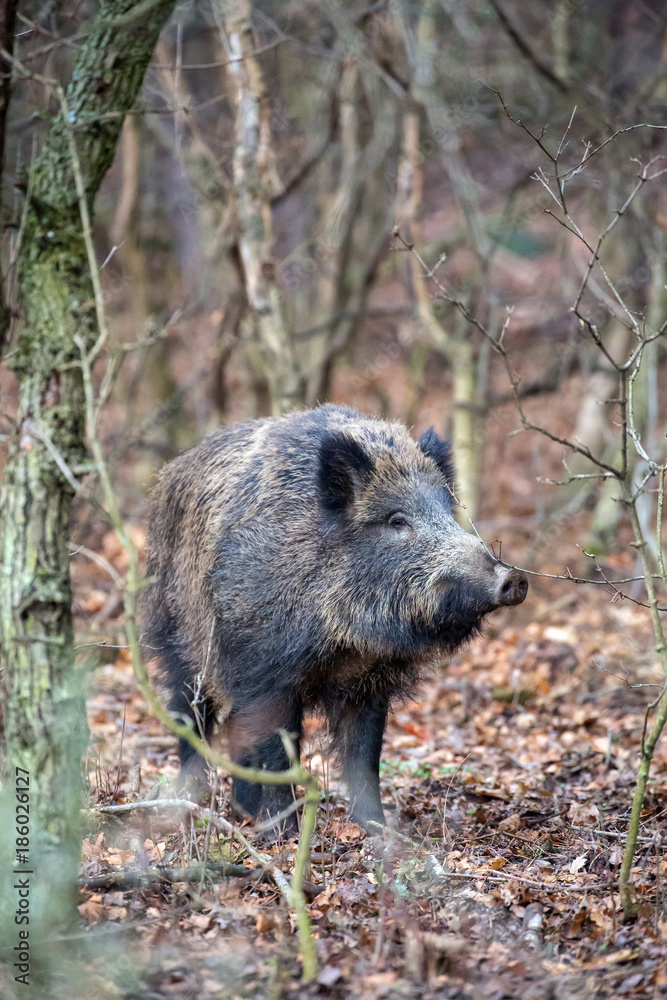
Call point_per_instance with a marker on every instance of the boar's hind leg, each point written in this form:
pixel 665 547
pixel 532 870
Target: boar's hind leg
pixel 254 741
pixel 202 718
pixel 357 740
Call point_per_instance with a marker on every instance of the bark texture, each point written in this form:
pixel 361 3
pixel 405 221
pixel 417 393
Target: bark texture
pixel 42 704
pixel 457 345
pixel 254 190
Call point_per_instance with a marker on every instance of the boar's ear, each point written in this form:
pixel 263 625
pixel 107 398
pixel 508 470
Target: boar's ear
pixel 343 467
pixel 441 453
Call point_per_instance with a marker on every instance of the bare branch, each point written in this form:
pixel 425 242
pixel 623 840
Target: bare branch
pixel 514 379
pixel 525 49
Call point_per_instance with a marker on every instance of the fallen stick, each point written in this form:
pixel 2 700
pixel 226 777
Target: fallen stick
pixel 193 873
pixel 128 880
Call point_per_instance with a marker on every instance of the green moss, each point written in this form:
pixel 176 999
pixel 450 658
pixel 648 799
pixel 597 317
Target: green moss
pixel 43 710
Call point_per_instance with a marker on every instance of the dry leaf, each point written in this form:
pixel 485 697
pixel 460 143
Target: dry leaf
pixel 93 601
pixel 329 975
pixel 616 855
pixel 350 833
pixel 265 922
pixel 510 824
pixel 91 911
pixel 584 814
pixel 380 980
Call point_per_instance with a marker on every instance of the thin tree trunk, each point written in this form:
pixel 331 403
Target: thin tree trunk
pixel 124 226
pixel 353 233
pixel 253 160
pixel 468 403
pixel 560 37
pixel 42 703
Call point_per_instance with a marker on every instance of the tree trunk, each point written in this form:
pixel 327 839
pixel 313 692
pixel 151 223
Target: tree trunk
pixel 457 345
pixel 253 161
pixel 469 403
pixel 42 703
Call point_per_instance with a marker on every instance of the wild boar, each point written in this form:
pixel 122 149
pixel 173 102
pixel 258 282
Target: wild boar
pixel 310 562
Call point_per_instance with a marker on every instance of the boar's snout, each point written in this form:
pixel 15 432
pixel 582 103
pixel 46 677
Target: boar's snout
pixel 512 587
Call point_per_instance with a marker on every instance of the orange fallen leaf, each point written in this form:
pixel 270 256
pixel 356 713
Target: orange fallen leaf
pixel 415 729
pixel 91 911
pixel 511 823
pixel 264 923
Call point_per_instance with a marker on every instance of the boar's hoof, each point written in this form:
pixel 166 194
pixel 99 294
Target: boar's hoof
pixel 512 589
pixel 373 827
pixel 272 806
pixel 285 826
pixel 193 783
pixel 372 822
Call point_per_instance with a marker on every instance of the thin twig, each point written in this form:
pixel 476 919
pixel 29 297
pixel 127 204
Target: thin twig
pixel 87 237
pixel 525 49
pixel 98 558
pixel 659 550
pixel 30 426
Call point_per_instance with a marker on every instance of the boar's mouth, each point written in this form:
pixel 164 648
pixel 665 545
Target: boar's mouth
pixel 460 616
pixel 463 607
pixel 508 588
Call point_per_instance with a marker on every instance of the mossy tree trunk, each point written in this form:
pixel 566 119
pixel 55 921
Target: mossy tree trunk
pixel 43 709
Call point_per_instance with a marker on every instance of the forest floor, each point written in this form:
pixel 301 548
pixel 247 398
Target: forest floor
pixel 507 785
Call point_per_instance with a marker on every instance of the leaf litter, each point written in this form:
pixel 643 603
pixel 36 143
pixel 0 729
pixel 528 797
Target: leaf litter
pixel 507 785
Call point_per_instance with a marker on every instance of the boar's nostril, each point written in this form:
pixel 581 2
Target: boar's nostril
pixel 513 588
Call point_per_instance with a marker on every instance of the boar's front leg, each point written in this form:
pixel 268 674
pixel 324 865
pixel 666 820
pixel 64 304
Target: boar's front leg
pixel 201 716
pixel 255 741
pixel 358 729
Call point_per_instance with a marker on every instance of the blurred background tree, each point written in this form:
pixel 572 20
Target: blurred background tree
pixel 59 302
pixel 275 148
pixel 245 229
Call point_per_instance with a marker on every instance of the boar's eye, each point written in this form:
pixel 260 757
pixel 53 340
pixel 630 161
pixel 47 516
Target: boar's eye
pixel 398 521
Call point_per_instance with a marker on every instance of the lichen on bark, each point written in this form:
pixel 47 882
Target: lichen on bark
pixel 41 693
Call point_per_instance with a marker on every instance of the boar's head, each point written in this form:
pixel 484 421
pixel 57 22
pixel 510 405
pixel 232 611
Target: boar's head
pixel 406 580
